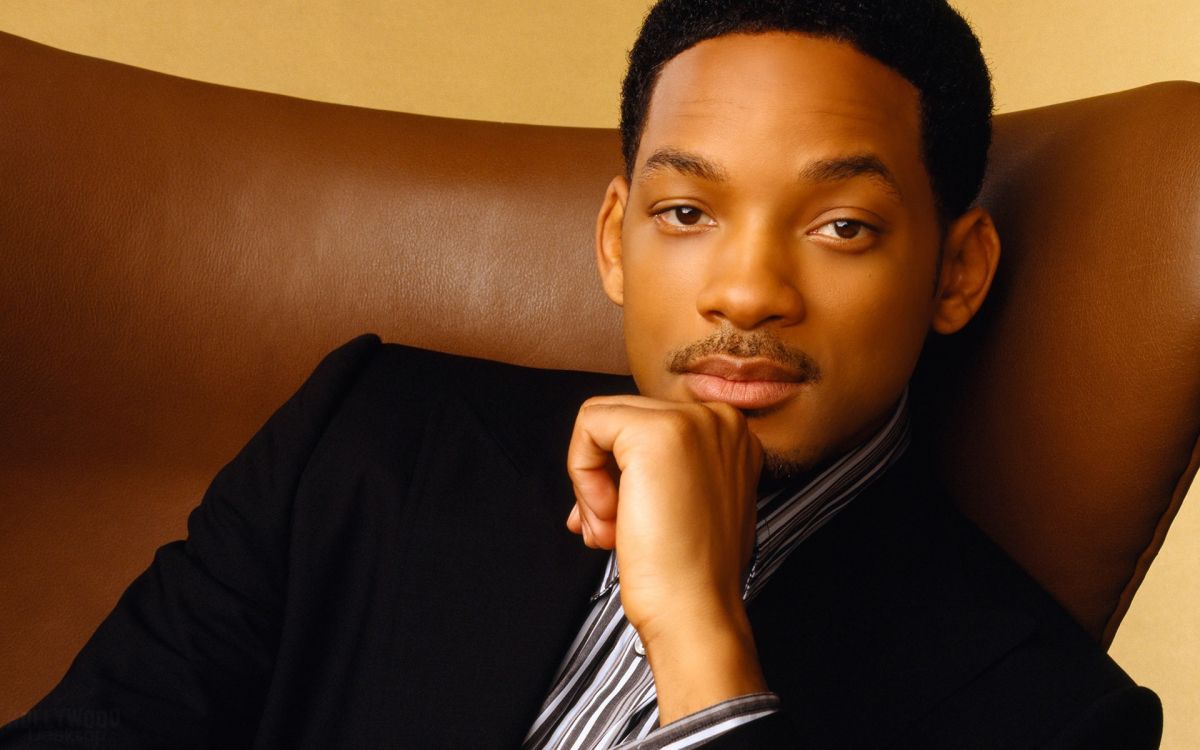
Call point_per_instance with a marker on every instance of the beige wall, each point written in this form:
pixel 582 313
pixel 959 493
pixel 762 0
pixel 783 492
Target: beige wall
pixel 555 61
pixel 543 61
pixel 559 62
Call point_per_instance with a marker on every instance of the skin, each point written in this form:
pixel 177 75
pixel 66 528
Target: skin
pixel 776 255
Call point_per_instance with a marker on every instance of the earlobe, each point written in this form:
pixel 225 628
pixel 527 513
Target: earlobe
pixel 970 253
pixel 608 239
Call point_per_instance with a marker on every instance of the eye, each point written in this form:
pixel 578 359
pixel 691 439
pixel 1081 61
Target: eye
pixel 845 229
pixel 684 217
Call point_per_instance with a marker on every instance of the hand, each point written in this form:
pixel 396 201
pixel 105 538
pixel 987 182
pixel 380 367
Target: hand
pixel 671 486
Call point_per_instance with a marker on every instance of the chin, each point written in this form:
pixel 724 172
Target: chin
pixel 785 462
pixel 783 466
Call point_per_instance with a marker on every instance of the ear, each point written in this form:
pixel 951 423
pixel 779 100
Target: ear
pixel 970 252
pixel 608 239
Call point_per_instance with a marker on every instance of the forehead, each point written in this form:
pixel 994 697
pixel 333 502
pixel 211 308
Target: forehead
pixel 783 96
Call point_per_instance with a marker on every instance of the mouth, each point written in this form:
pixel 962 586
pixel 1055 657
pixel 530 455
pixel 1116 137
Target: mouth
pixel 754 384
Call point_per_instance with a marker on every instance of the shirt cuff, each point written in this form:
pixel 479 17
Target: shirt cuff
pixel 695 729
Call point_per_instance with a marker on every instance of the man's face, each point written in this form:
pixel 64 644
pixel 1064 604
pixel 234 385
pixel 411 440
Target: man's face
pixel 777 245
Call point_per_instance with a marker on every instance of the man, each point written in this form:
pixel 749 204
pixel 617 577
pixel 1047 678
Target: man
pixel 385 564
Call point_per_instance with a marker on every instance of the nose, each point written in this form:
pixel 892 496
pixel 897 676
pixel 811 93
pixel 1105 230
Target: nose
pixel 751 283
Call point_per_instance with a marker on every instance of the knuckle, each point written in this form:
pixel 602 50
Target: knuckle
pixel 728 414
pixel 676 421
pixel 590 405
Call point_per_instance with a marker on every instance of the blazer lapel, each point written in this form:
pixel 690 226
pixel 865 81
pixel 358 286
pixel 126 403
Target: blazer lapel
pixel 869 624
pixel 513 599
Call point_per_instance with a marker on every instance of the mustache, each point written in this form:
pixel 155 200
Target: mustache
pixel 744 345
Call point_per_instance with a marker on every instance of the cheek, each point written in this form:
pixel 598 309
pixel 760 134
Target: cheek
pixel 877 320
pixel 655 265
pixel 657 293
pixel 897 319
pixel 659 312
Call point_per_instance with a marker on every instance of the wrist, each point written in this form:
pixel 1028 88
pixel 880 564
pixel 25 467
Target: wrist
pixel 701 660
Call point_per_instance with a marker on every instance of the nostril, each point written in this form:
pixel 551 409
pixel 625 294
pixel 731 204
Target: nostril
pixel 749 307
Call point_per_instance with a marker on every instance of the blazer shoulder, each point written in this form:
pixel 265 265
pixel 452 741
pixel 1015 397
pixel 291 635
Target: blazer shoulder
pixel 496 391
pixel 338 370
pixel 1056 681
pixel 427 371
pixel 366 363
pixel 529 411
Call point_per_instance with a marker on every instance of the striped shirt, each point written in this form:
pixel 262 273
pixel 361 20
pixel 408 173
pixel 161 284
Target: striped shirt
pixel 603 695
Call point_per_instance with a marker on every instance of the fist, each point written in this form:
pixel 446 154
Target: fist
pixel 671 487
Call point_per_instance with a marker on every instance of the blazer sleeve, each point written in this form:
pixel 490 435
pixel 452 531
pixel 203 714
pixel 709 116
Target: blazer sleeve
pixel 1125 719
pixel 185 658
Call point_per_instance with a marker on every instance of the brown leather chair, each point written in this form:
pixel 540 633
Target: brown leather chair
pixel 178 256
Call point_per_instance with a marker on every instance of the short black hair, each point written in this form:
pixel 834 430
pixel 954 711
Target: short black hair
pixel 925 41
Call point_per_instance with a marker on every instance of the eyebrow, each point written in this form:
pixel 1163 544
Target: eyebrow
pixel 835 169
pixel 684 162
pixel 844 168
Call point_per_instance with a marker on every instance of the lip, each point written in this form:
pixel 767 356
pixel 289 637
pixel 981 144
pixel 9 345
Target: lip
pixel 742 383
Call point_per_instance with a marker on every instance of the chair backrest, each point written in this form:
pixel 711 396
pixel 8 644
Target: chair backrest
pixel 1070 424
pixel 179 255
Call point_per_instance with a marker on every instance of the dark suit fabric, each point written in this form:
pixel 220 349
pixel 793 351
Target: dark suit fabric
pixel 386 565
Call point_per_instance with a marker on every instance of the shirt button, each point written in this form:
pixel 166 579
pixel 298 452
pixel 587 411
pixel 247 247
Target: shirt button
pixel 638 648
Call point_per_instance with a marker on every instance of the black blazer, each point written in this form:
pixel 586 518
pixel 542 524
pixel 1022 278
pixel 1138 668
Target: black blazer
pixel 386 565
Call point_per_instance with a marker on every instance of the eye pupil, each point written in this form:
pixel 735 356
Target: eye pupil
pixel 687 215
pixel 845 229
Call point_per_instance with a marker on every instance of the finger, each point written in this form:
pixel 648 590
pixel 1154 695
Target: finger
pixel 630 400
pixel 733 422
pixel 591 464
pixel 596 533
pixel 603 536
pixel 593 467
